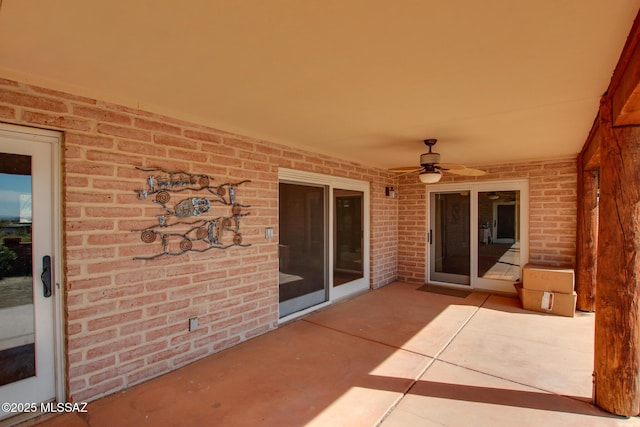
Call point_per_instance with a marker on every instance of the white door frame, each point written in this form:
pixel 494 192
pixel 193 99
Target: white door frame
pixel 51 141
pixel 474 188
pixel 332 182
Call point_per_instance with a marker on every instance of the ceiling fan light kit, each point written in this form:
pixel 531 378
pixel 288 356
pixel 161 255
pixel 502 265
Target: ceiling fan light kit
pixel 430 177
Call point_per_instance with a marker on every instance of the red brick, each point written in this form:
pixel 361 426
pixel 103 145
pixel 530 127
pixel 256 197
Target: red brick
pixel 30 101
pixel 115 319
pixel 111 157
pixel 155 126
pixel 203 136
pixel 89 225
pixel 55 121
pixel 111 266
pixel 164 332
pixel 90 340
pixel 124 132
pixel 7 112
pixel 138 327
pixel 63 95
pixel 91 254
pixel 89 140
pixel 167 307
pixel 107 348
pixel 172 141
pixel 112 212
pixel 143 149
pixel 85 197
pixel 142 301
pixel 92 366
pixel 85 168
pixel 101 115
pixel 140 351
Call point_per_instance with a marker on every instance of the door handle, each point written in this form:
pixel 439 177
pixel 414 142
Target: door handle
pixel 46 276
pixel 430 237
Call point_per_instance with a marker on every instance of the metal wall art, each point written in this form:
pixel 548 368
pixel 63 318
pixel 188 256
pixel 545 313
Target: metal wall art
pixel 174 232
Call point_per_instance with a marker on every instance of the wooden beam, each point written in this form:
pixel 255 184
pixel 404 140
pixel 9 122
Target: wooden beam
pixel 587 237
pixel 617 323
pixel 625 82
pixel 626 98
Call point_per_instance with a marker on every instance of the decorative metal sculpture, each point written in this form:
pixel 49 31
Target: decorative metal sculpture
pixel 200 235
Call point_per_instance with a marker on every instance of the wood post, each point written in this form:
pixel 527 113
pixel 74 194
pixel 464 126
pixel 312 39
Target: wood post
pixel 617 323
pixel 587 238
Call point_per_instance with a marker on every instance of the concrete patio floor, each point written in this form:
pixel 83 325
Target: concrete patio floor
pixel 396 356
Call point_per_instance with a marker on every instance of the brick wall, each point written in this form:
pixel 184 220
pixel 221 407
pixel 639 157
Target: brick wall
pixel 552 213
pixel 127 319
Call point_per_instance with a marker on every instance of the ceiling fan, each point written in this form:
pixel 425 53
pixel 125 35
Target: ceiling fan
pixel 431 169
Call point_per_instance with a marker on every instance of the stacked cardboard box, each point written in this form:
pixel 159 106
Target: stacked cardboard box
pixel 548 290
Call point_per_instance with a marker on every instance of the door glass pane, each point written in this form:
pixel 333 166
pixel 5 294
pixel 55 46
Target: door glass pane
pixel 17 344
pixel 499 240
pixel 450 237
pixel 302 248
pixel 348 236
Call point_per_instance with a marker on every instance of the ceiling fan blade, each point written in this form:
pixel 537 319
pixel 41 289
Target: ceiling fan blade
pixel 405 170
pixel 450 166
pixel 467 172
pixel 402 169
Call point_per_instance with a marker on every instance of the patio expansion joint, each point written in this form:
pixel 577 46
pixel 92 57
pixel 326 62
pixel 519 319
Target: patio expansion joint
pixel 434 359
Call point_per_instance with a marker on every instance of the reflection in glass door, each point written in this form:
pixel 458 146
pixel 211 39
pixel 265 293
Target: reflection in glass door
pixel 348 237
pixel 17 338
pixel 303 246
pixel 449 237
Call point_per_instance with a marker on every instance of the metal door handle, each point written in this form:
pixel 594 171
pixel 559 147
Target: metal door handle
pixel 46 276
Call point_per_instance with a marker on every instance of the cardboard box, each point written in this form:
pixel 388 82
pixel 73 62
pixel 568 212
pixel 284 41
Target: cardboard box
pixel 548 279
pixel 549 302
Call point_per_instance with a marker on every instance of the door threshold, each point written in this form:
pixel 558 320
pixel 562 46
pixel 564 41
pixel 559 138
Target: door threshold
pixel 298 314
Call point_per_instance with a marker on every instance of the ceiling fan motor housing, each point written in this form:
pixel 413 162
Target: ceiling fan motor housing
pixel 429 158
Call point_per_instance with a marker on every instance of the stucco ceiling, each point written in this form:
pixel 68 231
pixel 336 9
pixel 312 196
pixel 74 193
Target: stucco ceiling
pixel 364 80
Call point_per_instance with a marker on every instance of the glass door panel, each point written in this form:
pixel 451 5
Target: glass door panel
pixel 449 237
pixel 499 237
pixel 303 247
pixel 348 237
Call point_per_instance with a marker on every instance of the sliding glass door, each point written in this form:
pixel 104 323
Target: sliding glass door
pixel 478 234
pixel 303 247
pixel 323 240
